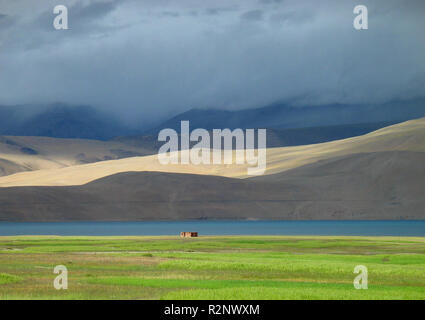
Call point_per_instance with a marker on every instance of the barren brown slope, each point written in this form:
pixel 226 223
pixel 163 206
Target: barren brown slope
pixel 377 185
pixel 407 136
pixel 34 153
pixel 383 185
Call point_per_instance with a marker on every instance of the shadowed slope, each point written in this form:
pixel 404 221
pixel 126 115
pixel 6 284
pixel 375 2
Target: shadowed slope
pixel 407 136
pixel 387 185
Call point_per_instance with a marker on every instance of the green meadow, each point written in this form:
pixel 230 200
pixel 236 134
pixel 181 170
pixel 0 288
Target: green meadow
pixel 221 267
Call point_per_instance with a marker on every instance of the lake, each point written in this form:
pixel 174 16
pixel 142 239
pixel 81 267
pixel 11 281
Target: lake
pixel 343 228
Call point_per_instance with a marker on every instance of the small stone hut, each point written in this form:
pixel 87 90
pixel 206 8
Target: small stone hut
pixel 188 234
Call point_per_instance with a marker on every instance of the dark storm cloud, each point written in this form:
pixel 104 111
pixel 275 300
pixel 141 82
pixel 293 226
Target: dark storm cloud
pixel 83 17
pixel 6 21
pixel 154 58
pixel 86 21
pixel 216 11
pixel 95 10
pixel 253 15
pixel 292 17
pixel 171 14
pixel 270 1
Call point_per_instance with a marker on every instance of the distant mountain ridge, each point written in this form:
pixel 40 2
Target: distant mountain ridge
pixel 60 121
pixel 283 116
pixel 280 137
pixel 86 122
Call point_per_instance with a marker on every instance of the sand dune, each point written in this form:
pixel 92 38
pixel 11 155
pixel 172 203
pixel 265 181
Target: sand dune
pixel 407 136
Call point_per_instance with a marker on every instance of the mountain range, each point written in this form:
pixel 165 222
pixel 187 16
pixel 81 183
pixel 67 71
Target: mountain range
pixel 284 116
pixel 379 175
pixel 60 121
pixel 86 122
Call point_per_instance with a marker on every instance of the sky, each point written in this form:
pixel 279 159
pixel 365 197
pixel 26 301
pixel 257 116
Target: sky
pixel 156 58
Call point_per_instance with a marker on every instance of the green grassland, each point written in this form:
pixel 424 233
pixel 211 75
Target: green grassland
pixel 225 267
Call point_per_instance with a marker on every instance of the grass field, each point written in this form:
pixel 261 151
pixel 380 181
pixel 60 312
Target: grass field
pixel 236 267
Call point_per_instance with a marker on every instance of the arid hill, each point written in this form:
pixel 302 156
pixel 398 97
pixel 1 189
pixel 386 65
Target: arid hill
pixel 19 154
pixel 407 136
pixel 382 185
pixel 380 175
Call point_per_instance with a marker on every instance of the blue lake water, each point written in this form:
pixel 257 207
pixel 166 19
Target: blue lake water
pixel 348 228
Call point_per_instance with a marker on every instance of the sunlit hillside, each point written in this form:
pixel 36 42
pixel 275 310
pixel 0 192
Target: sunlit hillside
pixel 38 153
pixel 407 136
